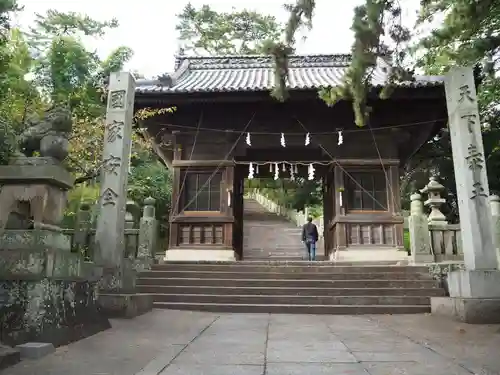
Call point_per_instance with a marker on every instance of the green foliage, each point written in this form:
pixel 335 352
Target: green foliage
pixel 406 240
pixel 63 70
pixel 205 30
pixel 7 7
pixel 296 194
pixel 467 36
pixel 300 16
pixel 66 71
pixel 372 21
pixel 14 62
pixel 150 178
pixel 79 194
pixel 7 140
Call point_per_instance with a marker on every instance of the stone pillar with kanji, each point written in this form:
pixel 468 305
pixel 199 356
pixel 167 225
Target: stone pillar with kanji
pixel 474 290
pixel 118 296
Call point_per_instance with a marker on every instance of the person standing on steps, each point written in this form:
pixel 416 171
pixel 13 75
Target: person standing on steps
pixel 310 237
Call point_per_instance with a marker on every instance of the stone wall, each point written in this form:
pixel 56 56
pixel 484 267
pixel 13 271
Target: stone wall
pixel 58 311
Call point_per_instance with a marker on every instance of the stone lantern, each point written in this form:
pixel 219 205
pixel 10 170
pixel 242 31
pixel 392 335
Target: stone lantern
pixel 434 200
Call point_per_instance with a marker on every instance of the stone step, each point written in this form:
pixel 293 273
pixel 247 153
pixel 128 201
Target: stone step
pixel 310 268
pixel 291 253
pixel 281 258
pixel 296 309
pixel 283 291
pixel 292 299
pixel 294 262
pixel 289 283
pixel 285 275
pixel 275 257
pixel 8 356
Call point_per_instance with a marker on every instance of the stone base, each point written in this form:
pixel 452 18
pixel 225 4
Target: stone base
pixel 421 259
pixel 126 305
pixel 47 310
pixel 194 255
pixel 467 310
pixel 35 239
pixel 474 284
pixel 36 170
pixel 35 350
pixel 41 263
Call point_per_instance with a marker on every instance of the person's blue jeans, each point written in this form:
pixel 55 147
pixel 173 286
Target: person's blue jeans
pixel 311 250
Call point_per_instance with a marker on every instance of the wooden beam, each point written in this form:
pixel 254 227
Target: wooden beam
pixel 202 163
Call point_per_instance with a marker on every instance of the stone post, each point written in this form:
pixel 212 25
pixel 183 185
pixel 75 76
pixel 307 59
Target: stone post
pixel 118 297
pixel 419 232
pixel 131 214
pixel 82 230
pixel 434 200
pixel 148 232
pixel 475 290
pixel 495 214
pixel 110 235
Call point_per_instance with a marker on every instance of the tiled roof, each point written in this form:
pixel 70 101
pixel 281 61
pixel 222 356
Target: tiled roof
pixel 256 73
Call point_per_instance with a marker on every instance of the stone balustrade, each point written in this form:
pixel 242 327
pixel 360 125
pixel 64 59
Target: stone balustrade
pixel 432 238
pixel 140 232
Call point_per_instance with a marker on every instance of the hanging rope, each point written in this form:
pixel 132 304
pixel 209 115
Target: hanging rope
pixel 334 132
pixel 226 158
pixel 389 184
pixel 190 157
pixel 343 169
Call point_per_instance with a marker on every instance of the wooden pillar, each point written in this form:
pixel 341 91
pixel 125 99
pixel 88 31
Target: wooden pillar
pixel 238 191
pixel 328 211
pixel 340 230
pixel 175 201
pixel 395 204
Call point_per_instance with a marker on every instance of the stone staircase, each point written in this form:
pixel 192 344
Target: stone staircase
pixel 290 287
pixel 269 236
pixel 273 278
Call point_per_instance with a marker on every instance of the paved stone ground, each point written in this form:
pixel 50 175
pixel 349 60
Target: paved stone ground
pixel 193 343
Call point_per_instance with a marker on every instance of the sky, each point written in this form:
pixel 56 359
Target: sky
pixel 148 26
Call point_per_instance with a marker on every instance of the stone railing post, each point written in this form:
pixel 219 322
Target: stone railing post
pixel 132 214
pixel 434 201
pixel 148 232
pixel 419 232
pixel 495 213
pixel 83 224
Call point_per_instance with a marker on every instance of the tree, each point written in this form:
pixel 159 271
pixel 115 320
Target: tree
pixel 206 31
pixel 373 22
pixel 468 36
pixel 64 72
pixel 8 75
pixel 243 32
pixel 69 74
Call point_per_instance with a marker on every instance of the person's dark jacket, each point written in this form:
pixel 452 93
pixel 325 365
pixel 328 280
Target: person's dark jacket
pixel 310 233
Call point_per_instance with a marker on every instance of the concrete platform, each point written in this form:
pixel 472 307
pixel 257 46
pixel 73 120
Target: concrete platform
pixel 173 342
pixel 468 310
pixel 35 350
